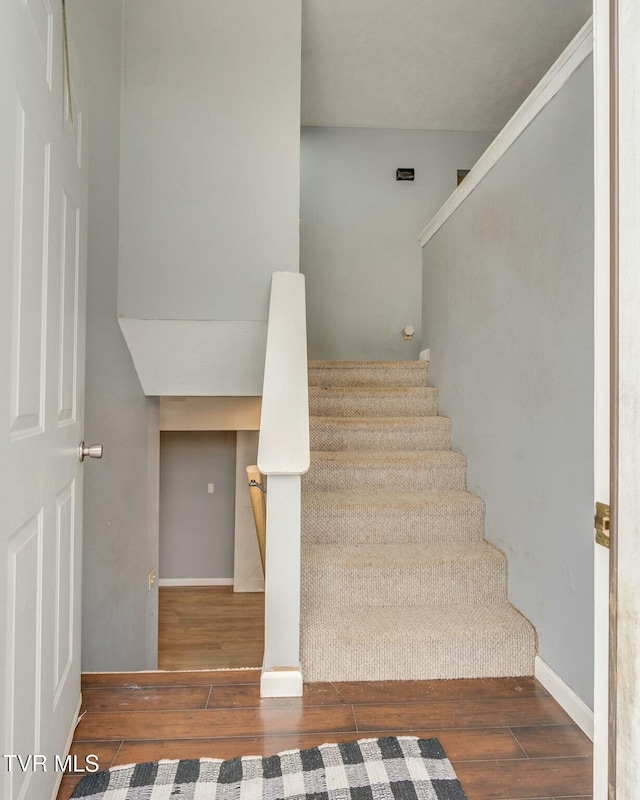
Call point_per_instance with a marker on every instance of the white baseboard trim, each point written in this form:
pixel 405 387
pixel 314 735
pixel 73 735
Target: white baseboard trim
pixel 195 582
pixel 249 586
pixel 576 708
pixel 283 682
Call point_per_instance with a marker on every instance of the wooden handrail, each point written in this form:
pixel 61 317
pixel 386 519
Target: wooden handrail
pixel 259 507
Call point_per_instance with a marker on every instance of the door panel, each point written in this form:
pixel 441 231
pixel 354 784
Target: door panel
pixel 24 634
pixel 30 276
pixel 41 15
pixel 70 265
pixel 42 297
pixel 64 578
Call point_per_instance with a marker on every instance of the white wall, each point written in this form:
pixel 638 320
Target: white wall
pixel 210 156
pixel 197 528
pixel 359 249
pixel 508 315
pixel 119 630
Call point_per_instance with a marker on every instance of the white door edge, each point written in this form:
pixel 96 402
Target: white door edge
pixel 601 391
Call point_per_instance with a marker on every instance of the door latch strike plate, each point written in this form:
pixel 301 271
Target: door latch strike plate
pixel 601 524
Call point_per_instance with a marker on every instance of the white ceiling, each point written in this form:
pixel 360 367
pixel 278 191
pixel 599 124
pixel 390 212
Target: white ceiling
pixel 430 64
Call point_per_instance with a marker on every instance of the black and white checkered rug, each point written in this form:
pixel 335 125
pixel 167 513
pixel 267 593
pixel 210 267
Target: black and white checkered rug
pixel 393 768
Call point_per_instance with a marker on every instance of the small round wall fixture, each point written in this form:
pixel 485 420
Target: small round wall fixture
pixel 408 331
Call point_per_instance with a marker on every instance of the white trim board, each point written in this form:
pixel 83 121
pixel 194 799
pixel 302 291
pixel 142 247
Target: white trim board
pixel 580 47
pixel 284 682
pixel 564 695
pixel 169 671
pixel 195 582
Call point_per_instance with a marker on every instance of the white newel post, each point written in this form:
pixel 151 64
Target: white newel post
pixel 284 456
pixel 281 675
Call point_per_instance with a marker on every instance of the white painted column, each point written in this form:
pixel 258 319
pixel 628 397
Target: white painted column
pixel 281 674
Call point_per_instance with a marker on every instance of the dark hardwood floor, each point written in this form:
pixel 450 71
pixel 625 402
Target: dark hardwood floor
pixel 209 627
pixel 507 739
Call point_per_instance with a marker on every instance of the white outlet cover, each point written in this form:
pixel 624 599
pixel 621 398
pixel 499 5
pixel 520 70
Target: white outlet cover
pixel 210 488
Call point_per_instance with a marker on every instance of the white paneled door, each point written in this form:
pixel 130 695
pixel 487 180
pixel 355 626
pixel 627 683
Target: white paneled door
pixel 43 204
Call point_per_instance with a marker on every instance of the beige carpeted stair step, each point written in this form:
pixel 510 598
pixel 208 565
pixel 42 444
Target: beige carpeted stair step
pixel 368 373
pixel 402 469
pixel 398 582
pixel 373 401
pixel 363 516
pixel 357 643
pixel 380 433
pixel 451 573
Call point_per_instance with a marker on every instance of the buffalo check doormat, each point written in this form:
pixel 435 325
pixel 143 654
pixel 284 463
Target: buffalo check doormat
pixel 390 768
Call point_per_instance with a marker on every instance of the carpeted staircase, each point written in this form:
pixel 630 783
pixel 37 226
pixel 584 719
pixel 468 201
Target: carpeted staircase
pixel 398 581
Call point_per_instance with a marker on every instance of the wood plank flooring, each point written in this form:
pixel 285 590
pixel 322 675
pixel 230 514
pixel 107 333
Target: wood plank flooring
pixel 209 627
pixel 507 739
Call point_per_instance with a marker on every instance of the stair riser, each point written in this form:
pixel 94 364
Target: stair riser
pixel 356 376
pixel 329 658
pixel 324 403
pixel 333 477
pixel 368 526
pixel 481 582
pixel 435 436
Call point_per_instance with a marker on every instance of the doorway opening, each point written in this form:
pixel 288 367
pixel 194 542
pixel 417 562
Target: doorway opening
pixel 211 586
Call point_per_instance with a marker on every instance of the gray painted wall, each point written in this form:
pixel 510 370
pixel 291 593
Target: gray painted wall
pixel 508 315
pixel 210 190
pixel 197 529
pixel 119 627
pixel 359 249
